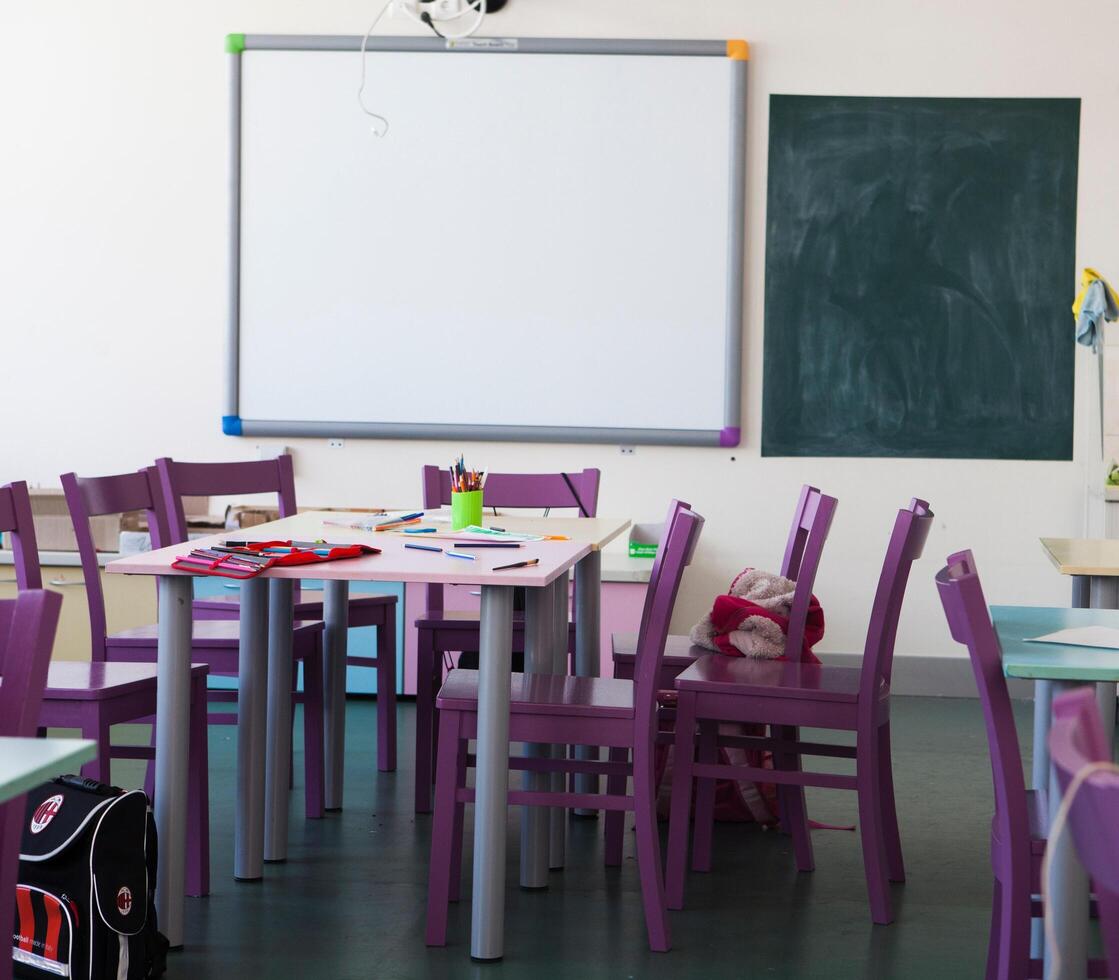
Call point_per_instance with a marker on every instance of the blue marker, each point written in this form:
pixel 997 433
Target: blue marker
pixel 455 554
pixel 422 547
pixel 420 530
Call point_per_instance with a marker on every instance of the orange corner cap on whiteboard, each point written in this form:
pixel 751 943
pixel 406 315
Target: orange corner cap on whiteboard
pixel 738 50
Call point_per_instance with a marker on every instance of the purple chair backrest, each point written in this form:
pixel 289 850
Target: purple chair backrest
pixel 95 496
pixel 814 520
pixel 529 490
pixel 178 480
pixel 798 531
pixel 515 490
pixel 677 546
pixel 674 508
pixel 1077 741
pixel 907 542
pixel 27 627
pixel 16 521
pixel 969 622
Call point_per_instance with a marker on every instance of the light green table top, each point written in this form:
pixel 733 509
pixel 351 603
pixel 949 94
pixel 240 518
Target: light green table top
pixel 1053 661
pixel 26 762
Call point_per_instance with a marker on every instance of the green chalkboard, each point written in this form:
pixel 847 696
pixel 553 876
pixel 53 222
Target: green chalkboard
pixel 920 264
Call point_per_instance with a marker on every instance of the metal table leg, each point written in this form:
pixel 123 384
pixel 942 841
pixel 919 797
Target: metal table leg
pixel 588 597
pixel 278 747
pixel 491 784
pixel 539 638
pixel 557 815
pixel 172 728
pixel 252 669
pixel 1068 887
pixel 336 616
pixel 1103 593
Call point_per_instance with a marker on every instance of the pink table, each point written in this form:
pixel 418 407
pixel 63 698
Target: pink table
pixel 264 717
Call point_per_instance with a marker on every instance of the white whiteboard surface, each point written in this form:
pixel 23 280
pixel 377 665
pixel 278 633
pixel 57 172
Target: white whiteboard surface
pixel 540 240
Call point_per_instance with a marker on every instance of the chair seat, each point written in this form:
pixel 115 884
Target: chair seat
pixel 545 694
pixel 718 674
pixel 679 651
pixel 74 680
pixel 464 619
pixel 204 633
pixel 309 606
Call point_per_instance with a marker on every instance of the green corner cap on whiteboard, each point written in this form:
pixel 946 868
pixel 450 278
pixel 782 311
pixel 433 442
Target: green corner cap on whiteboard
pixel 234 43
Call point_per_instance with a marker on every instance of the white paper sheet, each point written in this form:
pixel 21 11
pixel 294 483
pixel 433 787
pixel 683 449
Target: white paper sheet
pixel 1105 637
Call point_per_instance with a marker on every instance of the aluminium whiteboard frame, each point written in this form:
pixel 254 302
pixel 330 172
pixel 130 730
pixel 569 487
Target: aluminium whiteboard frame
pixel 728 436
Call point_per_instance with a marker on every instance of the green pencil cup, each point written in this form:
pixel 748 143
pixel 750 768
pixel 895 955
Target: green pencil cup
pixel 466 509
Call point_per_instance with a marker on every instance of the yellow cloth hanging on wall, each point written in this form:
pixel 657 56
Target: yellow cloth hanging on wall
pixel 1087 277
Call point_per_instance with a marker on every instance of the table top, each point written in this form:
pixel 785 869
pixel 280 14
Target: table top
pixel 26 762
pixel 598 532
pixel 399 564
pixel 1053 661
pixel 1083 556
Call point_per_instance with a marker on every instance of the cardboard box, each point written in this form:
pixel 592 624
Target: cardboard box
pixel 241 516
pixel 196 509
pixel 54 530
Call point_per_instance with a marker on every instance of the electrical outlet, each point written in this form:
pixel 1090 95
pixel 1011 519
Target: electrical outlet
pixel 335 443
pixel 628 450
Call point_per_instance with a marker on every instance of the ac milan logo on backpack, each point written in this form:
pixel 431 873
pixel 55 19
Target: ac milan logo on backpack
pixel 45 813
pixel 124 900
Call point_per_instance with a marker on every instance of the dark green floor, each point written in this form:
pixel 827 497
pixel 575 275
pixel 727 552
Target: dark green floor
pixel 349 903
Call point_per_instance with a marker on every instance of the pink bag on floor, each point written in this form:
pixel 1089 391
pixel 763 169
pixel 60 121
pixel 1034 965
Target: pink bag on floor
pixel 750 620
pixel 736 800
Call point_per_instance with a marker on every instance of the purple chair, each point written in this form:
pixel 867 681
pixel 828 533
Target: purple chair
pixel 178 480
pixel 439 632
pixel 786 694
pixel 1078 744
pixel 807 536
pixel 215 644
pixel 679 653
pixel 27 625
pixel 1019 827
pixel 94 696
pixel 564 711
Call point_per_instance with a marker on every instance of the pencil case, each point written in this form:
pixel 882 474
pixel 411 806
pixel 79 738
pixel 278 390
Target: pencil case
pixel 248 559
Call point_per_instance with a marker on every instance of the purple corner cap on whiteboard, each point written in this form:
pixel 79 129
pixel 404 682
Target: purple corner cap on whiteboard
pixel 731 435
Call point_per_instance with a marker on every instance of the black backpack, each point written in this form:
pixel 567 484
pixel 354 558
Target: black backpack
pixel 84 901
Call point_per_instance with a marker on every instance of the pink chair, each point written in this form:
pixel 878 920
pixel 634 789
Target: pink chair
pixel 679 653
pixel 93 697
pixel 787 694
pixel 178 480
pixel 1078 742
pixel 1019 827
pixel 27 625
pixel 440 633
pixel 215 644
pixel 564 711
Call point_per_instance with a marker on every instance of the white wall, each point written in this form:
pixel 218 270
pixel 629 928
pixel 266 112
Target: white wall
pixel 112 268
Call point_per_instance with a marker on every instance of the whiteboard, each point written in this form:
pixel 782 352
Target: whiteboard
pixel 546 244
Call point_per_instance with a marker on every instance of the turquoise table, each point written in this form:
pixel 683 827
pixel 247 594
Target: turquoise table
pixel 1055 668
pixel 26 762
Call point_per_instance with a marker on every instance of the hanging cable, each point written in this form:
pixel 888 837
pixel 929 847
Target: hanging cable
pixel 381 126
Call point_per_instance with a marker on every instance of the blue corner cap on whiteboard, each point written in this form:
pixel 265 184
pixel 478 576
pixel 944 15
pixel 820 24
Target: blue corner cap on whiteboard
pixel 231 425
pixel 730 436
